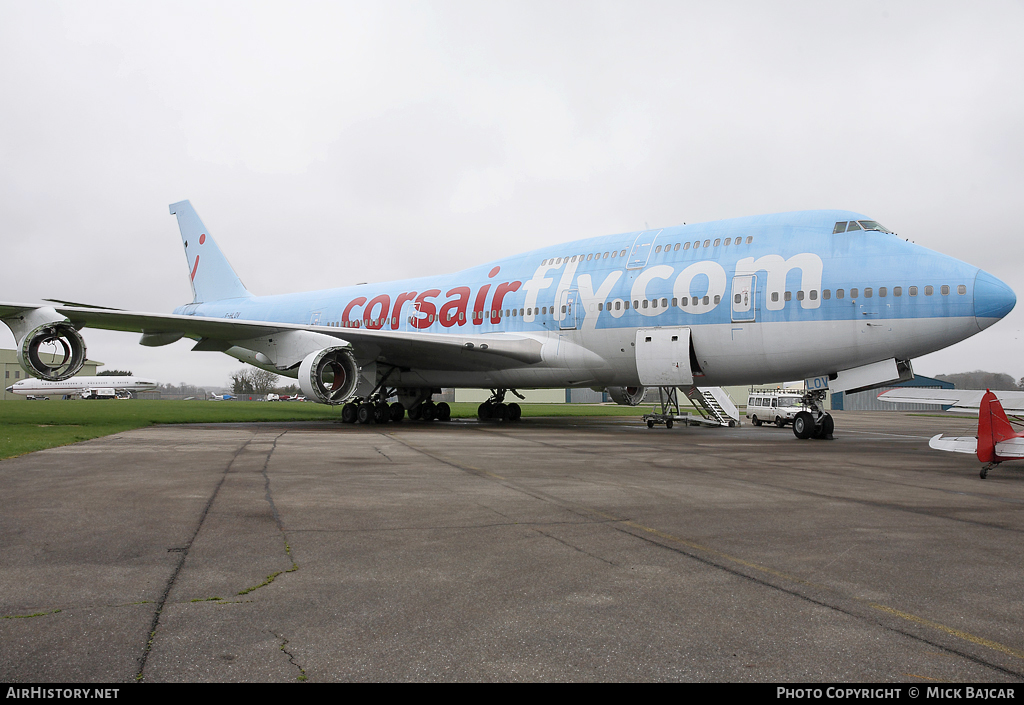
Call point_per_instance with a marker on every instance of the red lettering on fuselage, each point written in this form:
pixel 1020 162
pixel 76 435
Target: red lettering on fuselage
pixel 376 322
pixel 358 301
pixel 454 310
pixel 399 302
pixel 426 310
pixel 499 296
pixel 478 306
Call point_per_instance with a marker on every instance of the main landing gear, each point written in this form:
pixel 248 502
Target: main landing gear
pixel 375 409
pixel 495 408
pixel 814 422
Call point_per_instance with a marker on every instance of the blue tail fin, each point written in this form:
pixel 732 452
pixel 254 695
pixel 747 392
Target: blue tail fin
pixel 211 275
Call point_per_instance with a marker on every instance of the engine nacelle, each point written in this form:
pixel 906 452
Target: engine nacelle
pixel 61 343
pixel 329 376
pixel 627 396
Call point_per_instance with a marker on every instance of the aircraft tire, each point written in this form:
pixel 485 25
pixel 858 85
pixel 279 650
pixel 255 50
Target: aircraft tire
pixel 397 412
pixel 366 413
pixel 348 413
pixel 483 412
pixel 416 413
pixel 428 412
pixel 381 413
pixel 828 425
pixel 803 425
pixel 444 412
pixel 499 412
pixel 515 412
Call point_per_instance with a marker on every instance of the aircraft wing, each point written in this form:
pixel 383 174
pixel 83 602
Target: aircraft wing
pixel 962 444
pixel 489 351
pixel 961 399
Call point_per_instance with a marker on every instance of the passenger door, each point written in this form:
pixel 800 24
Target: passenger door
pixel 663 357
pixel 568 305
pixel 744 293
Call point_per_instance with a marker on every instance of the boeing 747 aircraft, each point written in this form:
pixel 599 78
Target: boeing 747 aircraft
pixel 77 385
pixel 829 296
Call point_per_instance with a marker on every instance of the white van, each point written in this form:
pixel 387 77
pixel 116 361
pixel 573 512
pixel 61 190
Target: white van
pixel 777 406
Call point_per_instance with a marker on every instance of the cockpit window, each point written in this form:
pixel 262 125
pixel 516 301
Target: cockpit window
pixel 848 226
pixel 873 225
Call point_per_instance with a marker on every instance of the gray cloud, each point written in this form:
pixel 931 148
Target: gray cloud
pixel 326 144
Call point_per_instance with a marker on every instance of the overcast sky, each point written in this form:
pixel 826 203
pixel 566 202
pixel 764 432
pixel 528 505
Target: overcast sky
pixel 334 143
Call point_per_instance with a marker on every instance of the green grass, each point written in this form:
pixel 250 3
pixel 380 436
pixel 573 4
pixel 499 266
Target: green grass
pixel 30 426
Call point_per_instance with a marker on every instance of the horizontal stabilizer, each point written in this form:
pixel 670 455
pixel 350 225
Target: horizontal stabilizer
pixel 1010 448
pixel 960 444
pixel 1012 402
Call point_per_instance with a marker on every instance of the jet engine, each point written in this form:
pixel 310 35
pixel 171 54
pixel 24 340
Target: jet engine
pixel 52 351
pixel 627 396
pixel 329 376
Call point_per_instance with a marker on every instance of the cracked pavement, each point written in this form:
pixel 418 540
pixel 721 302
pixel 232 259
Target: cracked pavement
pixel 569 549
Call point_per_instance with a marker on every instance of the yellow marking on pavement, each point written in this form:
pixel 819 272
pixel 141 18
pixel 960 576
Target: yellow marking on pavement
pixel 950 630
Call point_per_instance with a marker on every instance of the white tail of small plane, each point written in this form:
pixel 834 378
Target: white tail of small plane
pixel 210 273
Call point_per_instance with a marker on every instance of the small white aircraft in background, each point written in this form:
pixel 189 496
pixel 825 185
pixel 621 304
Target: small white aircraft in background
pixel 82 386
pixel 997 440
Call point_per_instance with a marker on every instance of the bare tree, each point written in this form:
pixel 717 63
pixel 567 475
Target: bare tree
pixel 253 381
pixel 262 380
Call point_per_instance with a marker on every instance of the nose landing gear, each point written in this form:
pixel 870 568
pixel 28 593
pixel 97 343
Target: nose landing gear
pixel 813 422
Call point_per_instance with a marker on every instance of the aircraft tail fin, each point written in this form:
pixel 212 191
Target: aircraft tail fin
pixel 210 273
pixel 993 427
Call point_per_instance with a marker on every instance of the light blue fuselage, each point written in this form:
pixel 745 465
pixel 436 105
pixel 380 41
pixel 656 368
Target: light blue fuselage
pixel 765 298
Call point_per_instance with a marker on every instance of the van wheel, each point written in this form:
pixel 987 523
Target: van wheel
pixel 756 421
pixel 780 422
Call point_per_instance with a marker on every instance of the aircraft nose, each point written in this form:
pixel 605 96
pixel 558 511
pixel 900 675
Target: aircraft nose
pixel 10 390
pixel 992 299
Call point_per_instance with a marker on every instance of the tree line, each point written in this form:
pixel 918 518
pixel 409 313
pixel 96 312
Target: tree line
pixel 980 379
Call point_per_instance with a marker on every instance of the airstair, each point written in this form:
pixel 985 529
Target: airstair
pixel 713 405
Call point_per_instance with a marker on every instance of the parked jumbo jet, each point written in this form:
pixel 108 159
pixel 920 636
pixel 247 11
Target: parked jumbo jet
pixel 830 296
pixel 80 385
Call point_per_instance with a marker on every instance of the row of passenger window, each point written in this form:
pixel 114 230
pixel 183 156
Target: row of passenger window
pixel 683 302
pixel 660 249
pixel 868 292
pixel 707 243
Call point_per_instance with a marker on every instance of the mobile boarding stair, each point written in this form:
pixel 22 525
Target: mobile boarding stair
pixel 713 406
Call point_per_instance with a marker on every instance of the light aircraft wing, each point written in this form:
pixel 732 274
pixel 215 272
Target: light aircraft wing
pixel 491 351
pixel 960 399
pixel 961 444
